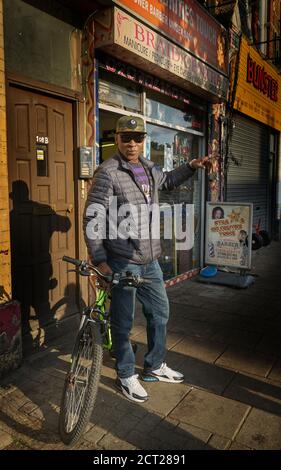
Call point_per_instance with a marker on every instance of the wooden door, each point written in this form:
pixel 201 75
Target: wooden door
pixel 40 139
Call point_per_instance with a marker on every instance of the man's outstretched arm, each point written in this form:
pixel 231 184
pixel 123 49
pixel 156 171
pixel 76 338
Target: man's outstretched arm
pixel 172 179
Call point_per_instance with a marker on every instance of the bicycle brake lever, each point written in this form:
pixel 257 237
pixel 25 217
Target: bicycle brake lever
pixel 85 272
pixel 81 272
pixel 116 278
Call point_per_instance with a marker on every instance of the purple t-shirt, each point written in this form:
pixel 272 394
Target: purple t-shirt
pixel 142 179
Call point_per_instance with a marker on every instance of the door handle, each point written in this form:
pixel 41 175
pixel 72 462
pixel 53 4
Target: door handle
pixel 70 208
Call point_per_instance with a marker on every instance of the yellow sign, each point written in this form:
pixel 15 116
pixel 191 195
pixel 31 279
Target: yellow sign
pixel 258 92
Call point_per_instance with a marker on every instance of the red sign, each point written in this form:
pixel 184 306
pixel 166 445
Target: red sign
pixel 115 30
pixel 187 23
pixel 261 80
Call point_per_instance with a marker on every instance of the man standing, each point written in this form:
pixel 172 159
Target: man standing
pixel 133 180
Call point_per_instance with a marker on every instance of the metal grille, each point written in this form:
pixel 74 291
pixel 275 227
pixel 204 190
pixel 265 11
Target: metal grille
pixel 248 172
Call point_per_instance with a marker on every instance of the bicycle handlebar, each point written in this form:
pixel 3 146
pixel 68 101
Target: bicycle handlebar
pixel 68 259
pixel 84 269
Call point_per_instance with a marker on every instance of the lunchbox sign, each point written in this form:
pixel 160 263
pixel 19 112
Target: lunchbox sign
pixel 229 234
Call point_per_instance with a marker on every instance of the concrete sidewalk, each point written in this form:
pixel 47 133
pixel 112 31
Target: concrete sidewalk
pixel 225 341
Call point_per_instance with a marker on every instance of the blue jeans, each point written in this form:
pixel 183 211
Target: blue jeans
pixel 155 305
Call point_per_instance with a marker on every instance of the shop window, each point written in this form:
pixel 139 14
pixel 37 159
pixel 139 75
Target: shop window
pixel 122 95
pixel 170 148
pixel 171 141
pixel 41 46
pixel 188 117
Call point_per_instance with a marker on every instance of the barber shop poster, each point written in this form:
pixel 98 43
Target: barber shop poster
pixel 229 234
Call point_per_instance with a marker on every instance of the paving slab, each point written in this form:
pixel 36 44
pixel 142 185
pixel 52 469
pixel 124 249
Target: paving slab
pixel 16 445
pixel 177 435
pixel 217 442
pixel 111 442
pixel 255 391
pixel 163 397
pixel 238 446
pixel 246 360
pixel 206 350
pixel 194 328
pixel 5 439
pixel 211 412
pixel 261 431
pixel 275 373
pixel 204 375
pixel 270 344
pixel 144 441
pixel 235 336
pixel 95 434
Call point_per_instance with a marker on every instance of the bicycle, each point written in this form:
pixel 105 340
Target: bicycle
pixel 94 335
pixel 260 237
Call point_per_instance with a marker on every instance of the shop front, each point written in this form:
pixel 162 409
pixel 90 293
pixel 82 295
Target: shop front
pixel 252 167
pixel 69 76
pixel 141 72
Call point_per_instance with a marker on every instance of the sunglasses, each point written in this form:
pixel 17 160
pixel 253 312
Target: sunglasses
pixel 127 137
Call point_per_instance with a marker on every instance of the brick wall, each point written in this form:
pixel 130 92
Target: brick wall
pixel 5 263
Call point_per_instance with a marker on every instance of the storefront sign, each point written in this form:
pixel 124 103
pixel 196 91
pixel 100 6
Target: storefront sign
pixel 187 23
pixel 229 234
pixel 116 30
pixel 261 80
pixel 258 88
pixel 142 78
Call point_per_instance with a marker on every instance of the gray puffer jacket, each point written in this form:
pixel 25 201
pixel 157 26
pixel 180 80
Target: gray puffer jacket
pixel 115 178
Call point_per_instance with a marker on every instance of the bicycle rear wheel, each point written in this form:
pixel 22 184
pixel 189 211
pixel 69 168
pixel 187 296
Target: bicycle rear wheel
pixel 81 383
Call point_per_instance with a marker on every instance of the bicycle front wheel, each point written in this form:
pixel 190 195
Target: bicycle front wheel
pixel 81 383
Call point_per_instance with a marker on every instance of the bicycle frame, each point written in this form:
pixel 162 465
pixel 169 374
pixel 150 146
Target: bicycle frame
pixel 98 313
pixel 101 300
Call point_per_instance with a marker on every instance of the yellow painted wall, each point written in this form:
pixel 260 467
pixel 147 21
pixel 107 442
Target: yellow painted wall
pixel 251 101
pixel 5 260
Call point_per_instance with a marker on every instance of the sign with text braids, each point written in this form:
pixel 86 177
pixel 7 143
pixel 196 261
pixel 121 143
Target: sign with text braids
pixel 187 23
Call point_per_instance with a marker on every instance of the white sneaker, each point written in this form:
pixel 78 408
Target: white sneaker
pixel 163 374
pixel 132 389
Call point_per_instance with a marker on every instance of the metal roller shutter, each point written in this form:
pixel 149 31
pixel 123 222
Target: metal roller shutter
pixel 249 180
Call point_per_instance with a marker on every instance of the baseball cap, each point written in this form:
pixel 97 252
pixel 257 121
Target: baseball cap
pixel 130 124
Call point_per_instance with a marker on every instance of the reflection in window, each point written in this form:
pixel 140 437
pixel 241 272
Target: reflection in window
pixel 170 149
pixel 118 95
pixel 39 45
pixel 188 117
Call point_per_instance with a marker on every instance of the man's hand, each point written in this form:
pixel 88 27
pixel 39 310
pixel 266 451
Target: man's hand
pixel 104 268
pixel 200 163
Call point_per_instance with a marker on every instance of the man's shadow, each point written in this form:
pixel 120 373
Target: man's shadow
pixel 32 226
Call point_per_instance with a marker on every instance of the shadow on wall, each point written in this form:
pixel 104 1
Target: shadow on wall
pixel 32 226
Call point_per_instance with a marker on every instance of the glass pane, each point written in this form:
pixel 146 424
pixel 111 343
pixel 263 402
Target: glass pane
pixel 188 117
pixel 124 96
pixel 40 46
pixel 170 149
pixel 107 125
